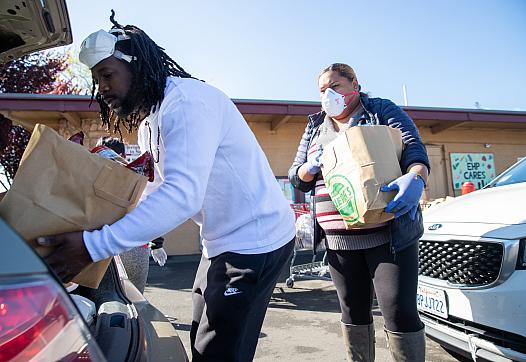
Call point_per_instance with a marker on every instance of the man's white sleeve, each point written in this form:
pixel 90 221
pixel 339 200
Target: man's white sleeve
pixel 191 133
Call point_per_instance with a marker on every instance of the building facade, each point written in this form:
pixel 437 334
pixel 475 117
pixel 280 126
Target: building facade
pixel 463 144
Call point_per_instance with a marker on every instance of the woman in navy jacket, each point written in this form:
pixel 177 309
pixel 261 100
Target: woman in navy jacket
pixel 381 257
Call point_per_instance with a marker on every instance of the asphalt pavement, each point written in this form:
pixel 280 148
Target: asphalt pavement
pixel 302 323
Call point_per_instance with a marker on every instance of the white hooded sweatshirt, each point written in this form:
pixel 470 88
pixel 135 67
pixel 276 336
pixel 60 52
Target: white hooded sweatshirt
pixel 211 169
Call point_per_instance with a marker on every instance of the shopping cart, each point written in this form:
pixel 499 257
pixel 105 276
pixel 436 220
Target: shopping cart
pixel 315 269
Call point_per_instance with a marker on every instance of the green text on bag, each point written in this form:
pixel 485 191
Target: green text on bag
pixel 343 196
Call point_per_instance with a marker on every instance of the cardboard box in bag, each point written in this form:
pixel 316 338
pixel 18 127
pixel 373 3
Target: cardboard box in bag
pixel 61 187
pixel 355 166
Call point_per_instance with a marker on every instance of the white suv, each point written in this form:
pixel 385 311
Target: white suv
pixel 472 271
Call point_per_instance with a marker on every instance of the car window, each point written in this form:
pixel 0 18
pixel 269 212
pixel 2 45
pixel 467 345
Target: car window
pixel 512 176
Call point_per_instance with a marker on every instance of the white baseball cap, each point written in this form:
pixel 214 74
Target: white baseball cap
pixel 100 45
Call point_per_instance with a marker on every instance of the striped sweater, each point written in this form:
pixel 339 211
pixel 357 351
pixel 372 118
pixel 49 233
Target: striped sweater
pixel 384 112
pixel 330 219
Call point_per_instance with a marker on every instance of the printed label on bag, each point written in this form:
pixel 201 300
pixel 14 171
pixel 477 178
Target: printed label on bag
pixel 343 196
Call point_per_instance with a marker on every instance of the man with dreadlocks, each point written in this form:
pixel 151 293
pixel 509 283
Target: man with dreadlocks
pixel 210 168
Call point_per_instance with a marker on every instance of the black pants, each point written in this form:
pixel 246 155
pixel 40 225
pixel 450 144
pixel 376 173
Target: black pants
pixel 395 278
pixel 230 298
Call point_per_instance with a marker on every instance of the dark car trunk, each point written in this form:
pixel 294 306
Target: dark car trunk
pixel 117 328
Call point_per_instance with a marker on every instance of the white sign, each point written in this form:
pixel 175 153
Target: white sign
pixel 132 152
pixel 431 300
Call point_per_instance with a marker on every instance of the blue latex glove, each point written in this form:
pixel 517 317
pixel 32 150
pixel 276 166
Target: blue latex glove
pixel 410 188
pixel 313 162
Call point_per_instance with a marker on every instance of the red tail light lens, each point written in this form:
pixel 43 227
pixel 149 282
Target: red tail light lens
pixel 38 321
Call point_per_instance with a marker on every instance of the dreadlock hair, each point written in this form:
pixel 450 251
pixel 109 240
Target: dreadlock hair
pixel 150 68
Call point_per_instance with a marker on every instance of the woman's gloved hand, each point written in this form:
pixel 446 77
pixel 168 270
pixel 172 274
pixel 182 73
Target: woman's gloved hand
pixel 157 251
pixel 159 255
pixel 410 188
pixel 313 162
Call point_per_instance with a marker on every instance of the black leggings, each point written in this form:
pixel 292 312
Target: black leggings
pixel 394 276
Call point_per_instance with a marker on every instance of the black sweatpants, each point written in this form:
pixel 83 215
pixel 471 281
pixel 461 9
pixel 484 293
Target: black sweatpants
pixel 230 298
pixel 394 276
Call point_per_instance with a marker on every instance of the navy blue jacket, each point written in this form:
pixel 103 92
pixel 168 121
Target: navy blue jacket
pixel 379 111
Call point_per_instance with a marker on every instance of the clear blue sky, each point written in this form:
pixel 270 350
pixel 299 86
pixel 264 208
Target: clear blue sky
pixel 448 53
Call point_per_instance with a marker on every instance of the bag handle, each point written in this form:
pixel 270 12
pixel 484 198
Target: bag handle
pixel 98 185
pixel 329 163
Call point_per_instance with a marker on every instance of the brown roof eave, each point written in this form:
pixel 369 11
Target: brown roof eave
pixel 78 103
pixel 465 115
pixel 47 102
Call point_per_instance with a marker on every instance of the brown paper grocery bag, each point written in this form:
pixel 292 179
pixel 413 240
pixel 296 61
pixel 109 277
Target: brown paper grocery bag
pixel 355 166
pixel 61 187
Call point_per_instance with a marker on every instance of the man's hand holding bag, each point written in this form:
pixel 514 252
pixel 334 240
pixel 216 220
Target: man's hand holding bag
pixel 61 187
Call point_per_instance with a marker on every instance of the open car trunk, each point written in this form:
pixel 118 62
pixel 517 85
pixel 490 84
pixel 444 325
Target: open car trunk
pixel 27 26
pixel 117 327
pixel 126 326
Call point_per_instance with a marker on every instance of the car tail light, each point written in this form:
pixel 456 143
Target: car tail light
pixel 521 258
pixel 39 322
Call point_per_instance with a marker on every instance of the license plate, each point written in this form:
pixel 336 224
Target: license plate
pixel 431 300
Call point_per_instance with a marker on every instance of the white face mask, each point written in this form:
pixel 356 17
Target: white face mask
pixel 333 103
pixel 100 45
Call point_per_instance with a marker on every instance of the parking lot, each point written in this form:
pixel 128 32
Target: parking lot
pixel 302 323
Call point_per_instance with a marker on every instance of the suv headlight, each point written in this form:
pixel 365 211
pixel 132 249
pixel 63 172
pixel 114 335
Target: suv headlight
pixel 521 258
